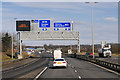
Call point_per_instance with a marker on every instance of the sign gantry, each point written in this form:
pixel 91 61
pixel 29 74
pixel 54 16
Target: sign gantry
pixel 46 29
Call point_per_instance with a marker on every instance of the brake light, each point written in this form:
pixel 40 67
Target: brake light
pixel 54 63
pixel 64 62
pixel 91 53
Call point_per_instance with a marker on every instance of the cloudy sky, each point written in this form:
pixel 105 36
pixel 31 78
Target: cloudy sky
pixel 105 18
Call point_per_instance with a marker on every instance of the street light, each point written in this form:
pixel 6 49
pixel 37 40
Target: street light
pixel 17 49
pixel 13 42
pixel 92 28
pixel 12 46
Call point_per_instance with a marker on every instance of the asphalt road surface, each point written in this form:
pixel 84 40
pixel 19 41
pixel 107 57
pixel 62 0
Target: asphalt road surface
pixel 77 69
pixel 29 70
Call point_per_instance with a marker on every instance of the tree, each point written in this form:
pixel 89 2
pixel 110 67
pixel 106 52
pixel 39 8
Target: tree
pixel 6 42
pixel 51 46
pixel 45 46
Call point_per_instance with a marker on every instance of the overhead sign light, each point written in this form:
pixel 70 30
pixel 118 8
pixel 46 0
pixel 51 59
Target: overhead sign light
pixel 67 29
pixel 23 25
pixel 44 29
pixel 44 23
pixel 56 29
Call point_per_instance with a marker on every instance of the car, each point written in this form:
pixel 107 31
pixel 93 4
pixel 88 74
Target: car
pixel 60 62
pixel 39 52
pixel 47 51
pixel 89 54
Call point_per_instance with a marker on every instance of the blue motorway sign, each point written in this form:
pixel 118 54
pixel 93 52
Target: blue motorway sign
pixel 61 24
pixel 35 21
pixel 44 23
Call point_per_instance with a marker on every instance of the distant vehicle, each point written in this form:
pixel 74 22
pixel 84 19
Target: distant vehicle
pixel 57 54
pixel 59 62
pixel 39 52
pixel 47 51
pixel 104 50
pixel 89 54
pixel 69 51
pixel 51 52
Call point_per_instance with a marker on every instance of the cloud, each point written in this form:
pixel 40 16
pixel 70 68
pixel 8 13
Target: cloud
pixel 110 19
pixel 54 5
pixel 60 1
pixel 106 5
pixel 101 31
pixel 81 22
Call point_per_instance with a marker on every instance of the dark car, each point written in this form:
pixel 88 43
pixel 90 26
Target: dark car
pixel 89 54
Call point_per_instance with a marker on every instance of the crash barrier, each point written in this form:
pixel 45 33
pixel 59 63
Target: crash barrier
pixel 109 65
pixel 6 62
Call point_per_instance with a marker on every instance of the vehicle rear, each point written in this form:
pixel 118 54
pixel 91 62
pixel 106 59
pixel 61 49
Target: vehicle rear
pixel 89 54
pixel 57 54
pixel 59 62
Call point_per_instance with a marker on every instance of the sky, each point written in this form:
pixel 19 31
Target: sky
pixel 105 18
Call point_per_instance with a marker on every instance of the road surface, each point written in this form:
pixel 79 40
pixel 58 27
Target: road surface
pixel 77 69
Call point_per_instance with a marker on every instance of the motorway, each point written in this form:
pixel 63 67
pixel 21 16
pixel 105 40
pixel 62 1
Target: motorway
pixel 77 69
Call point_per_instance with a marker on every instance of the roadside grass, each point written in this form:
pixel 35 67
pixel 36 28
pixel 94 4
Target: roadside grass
pixel 25 54
pixel 114 54
pixel 4 56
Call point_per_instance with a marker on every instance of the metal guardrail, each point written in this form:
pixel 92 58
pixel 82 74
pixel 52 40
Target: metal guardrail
pixel 109 65
pixel 5 62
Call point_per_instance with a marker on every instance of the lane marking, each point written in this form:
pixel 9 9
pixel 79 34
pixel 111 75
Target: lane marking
pixel 75 70
pixel 72 66
pixel 79 77
pixel 105 68
pixel 40 73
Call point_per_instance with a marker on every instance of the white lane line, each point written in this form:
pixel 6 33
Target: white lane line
pixel 72 66
pixel 75 70
pixel 40 73
pixel 105 68
pixel 79 77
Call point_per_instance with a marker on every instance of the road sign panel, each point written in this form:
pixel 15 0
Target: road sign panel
pixel 62 24
pixel 23 25
pixel 44 23
pixel 35 21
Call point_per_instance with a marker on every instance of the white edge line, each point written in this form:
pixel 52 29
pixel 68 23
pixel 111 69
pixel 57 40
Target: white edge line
pixel 105 68
pixel 41 73
pixel 79 77
pixel 75 70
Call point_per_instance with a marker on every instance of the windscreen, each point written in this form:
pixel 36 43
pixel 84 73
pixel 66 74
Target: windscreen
pixel 106 49
pixel 59 60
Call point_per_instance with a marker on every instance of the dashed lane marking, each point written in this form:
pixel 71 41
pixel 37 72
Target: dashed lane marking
pixel 79 77
pixel 75 70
